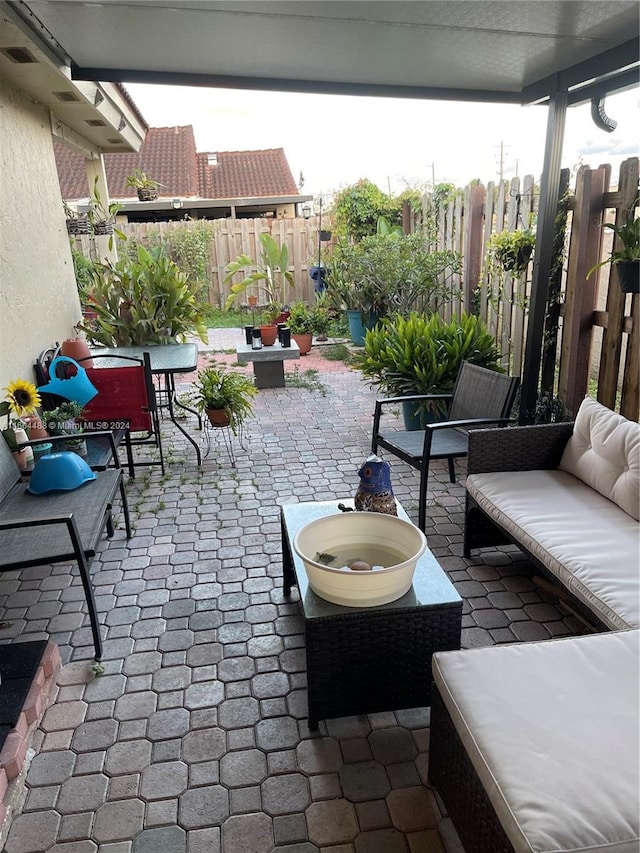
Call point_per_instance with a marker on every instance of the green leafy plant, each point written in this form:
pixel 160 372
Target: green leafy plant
pixel 272 274
pixel 300 321
pixel 357 209
pixel 146 300
pixel 65 419
pixel 102 216
pixel 628 235
pixel 216 387
pixel 140 180
pixel 512 250
pixel 388 273
pixel 422 355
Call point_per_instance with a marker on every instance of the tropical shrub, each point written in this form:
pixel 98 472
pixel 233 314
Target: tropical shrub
pixel 422 354
pixel 146 300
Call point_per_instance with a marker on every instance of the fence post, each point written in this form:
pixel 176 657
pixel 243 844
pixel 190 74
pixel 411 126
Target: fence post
pixel 581 294
pixel 616 299
pixel 474 199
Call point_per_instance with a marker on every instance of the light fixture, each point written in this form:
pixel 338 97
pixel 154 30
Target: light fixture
pixel 306 211
pixel 176 203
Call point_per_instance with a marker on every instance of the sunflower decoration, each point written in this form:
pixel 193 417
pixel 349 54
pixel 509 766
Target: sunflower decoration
pixel 21 399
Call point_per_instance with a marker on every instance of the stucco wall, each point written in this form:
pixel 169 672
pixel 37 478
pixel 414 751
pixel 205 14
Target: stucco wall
pixel 38 297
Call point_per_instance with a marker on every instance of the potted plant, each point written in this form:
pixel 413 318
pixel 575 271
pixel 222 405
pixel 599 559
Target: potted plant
pixel 224 395
pixel 145 186
pixel 141 300
pixel 77 223
pixel 422 355
pixel 512 250
pixel 301 323
pixel 102 217
pixel 271 274
pixel 65 419
pixel 625 257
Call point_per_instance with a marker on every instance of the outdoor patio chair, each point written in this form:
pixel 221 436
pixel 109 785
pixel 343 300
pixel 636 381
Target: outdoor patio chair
pixel 58 526
pixel 480 397
pixel 125 403
pixel 126 398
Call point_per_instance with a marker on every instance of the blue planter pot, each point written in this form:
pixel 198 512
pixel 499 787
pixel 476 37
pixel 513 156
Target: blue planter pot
pixel 358 328
pixel 414 421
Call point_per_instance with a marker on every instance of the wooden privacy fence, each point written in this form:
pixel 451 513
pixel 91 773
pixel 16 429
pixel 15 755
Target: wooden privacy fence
pixel 593 329
pixel 232 237
pixel 592 337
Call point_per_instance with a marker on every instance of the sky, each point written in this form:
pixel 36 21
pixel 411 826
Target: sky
pixel 334 140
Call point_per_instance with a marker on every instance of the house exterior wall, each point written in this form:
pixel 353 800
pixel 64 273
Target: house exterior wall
pixel 38 296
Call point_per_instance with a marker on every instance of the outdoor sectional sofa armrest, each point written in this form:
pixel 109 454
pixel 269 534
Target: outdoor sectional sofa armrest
pixel 526 448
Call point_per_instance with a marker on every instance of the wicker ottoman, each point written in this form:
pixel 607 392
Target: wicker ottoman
pixel 534 746
pixel 368 659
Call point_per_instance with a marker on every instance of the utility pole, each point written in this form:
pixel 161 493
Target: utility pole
pixel 502 158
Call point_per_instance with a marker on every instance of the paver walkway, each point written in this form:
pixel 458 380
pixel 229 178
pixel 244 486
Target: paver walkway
pixel 194 740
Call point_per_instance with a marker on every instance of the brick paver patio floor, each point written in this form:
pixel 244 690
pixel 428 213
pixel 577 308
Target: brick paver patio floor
pixel 195 739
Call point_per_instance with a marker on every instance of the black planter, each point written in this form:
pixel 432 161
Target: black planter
pixel 325 236
pixel 629 275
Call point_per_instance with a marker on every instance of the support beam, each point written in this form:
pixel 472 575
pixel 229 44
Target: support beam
pixel 549 187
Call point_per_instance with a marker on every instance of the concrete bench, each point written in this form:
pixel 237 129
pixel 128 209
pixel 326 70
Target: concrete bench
pixel 268 362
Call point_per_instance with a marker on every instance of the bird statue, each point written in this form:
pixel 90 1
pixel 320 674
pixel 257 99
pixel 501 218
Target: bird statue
pixel 374 493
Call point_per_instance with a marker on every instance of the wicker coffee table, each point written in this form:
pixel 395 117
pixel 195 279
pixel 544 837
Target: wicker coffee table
pixel 363 660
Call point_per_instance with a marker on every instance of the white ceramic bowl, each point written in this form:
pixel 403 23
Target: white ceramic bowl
pixel 372 536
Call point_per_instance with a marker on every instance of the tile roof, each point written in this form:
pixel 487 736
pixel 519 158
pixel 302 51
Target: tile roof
pixel 168 155
pixel 244 174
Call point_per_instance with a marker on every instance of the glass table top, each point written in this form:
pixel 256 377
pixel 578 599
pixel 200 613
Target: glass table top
pixel 431 586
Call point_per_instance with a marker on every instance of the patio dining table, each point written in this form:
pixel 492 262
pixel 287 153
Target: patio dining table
pixel 167 361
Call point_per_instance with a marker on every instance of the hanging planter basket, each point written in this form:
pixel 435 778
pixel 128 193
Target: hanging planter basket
pixel 147 194
pixel 629 275
pixel 102 228
pixel 77 226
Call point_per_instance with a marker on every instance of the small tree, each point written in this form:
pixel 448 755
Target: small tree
pixel 357 209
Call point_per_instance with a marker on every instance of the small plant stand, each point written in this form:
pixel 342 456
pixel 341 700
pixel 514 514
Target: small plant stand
pixel 227 437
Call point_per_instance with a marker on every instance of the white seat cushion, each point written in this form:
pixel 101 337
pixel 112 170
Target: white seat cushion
pixel 585 540
pixel 552 731
pixel 604 452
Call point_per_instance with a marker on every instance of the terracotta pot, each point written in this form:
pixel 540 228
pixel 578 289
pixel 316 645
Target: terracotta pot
pixel 218 417
pixel 252 300
pixel 269 335
pixel 304 342
pixel 76 348
pixel 35 427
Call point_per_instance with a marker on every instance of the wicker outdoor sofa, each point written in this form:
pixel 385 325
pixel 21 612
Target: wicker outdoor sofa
pixel 534 746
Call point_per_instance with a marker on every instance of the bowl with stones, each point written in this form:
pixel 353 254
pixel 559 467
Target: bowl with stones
pixel 360 559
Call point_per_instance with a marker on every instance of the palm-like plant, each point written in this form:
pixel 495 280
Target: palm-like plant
pixel 272 273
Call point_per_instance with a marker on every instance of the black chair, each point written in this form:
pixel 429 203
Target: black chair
pixel 58 526
pixel 480 397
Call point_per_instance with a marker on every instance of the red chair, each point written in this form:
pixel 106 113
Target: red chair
pixel 125 403
pixel 126 399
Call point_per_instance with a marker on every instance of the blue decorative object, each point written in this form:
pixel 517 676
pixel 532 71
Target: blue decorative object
pixel 77 387
pixel 62 471
pixel 375 493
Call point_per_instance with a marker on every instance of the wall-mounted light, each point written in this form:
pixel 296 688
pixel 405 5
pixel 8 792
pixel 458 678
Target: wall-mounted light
pixel 306 211
pixel 176 203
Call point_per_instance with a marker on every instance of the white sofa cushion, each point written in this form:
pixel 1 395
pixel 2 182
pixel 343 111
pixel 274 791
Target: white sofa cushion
pixel 585 540
pixel 604 452
pixel 552 731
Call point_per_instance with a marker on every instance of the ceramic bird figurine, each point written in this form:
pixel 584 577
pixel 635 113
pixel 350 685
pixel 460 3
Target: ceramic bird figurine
pixel 374 493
